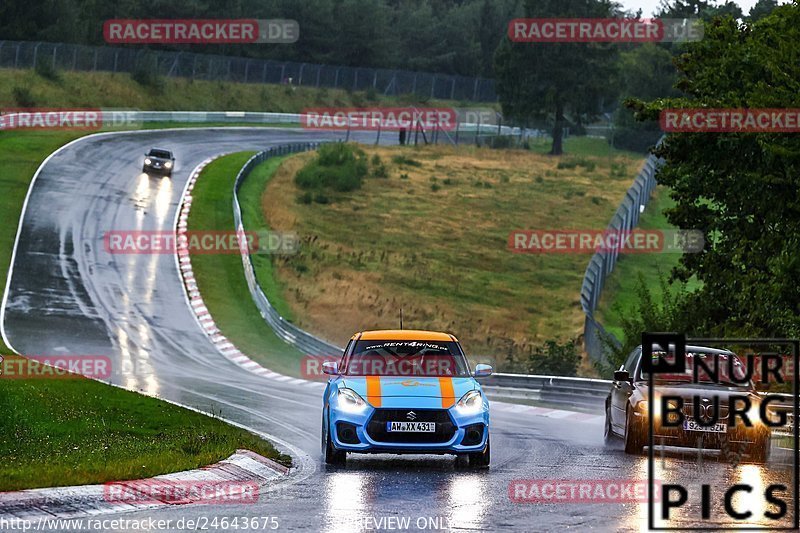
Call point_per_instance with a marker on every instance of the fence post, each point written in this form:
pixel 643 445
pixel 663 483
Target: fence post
pixel 414 85
pixel 116 58
pixel 300 74
pixel 36 53
pixel 94 67
pixel 433 85
pixel 319 69
pixel 453 90
pixel 475 90
pixel 16 56
pixel 246 70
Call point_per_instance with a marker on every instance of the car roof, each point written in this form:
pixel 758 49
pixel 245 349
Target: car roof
pixel 404 335
pixel 160 150
pixel 706 349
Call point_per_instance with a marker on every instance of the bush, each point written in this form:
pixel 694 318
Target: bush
pixel 435 187
pixel 46 70
pixel 403 160
pixel 502 142
pixel 23 97
pixel 371 94
pixel 305 198
pixel 551 359
pixel 146 75
pixel 337 166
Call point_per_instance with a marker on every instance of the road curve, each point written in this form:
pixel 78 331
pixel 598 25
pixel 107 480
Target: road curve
pixel 67 295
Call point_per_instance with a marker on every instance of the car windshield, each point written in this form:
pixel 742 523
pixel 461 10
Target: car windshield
pixel 406 358
pixel 729 369
pixel 162 154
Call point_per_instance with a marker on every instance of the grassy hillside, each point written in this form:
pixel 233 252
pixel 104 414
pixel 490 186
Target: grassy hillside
pixel 431 237
pixel 26 88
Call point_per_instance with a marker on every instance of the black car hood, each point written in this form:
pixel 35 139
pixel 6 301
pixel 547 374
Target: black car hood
pixel 723 392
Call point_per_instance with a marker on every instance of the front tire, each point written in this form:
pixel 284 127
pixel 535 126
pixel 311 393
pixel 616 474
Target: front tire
pixel 634 436
pixel 332 455
pixel 608 433
pixel 481 459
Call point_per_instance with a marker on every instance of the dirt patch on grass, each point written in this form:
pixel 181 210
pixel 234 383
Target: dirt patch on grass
pixel 432 238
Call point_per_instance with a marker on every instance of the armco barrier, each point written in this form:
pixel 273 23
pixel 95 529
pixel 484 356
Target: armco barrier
pixel 602 263
pixel 302 340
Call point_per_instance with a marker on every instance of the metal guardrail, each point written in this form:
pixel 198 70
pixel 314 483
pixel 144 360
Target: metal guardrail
pixel 603 262
pixel 64 56
pixel 300 339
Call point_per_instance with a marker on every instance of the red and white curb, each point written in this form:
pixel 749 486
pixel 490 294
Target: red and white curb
pixel 196 304
pixel 243 468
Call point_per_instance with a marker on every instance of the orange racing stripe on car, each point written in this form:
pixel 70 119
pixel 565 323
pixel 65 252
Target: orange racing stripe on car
pixel 374 391
pixel 448 394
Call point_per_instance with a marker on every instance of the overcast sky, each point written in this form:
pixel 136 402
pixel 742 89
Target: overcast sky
pixel 649 6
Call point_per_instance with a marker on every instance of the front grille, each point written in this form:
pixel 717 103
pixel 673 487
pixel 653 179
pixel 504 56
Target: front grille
pixel 688 409
pixel 445 429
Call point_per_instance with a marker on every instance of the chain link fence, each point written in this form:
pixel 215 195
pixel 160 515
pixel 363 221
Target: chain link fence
pixel 424 85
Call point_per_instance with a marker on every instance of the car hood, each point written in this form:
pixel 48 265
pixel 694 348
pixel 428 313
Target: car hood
pixel 386 390
pixel 685 390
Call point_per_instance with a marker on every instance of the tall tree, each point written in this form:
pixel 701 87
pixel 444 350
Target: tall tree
pixel 556 79
pixel 741 189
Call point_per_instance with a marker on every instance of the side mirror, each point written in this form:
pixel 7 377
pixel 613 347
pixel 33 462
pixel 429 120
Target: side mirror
pixel 622 375
pixel 482 371
pixel 331 368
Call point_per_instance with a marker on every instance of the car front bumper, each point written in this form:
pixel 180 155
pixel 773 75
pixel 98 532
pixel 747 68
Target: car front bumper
pixel 456 432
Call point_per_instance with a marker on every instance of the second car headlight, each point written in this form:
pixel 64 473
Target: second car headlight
pixel 168 164
pixel 147 161
pixel 471 402
pixel 350 401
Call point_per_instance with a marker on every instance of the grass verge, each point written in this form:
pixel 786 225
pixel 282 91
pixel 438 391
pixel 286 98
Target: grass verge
pixel 75 431
pixel 619 293
pixel 220 277
pixel 26 88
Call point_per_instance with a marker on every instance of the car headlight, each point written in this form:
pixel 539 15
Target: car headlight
pixel 168 164
pixel 754 413
pixel 147 161
pixel 471 402
pixel 350 401
pixel 642 406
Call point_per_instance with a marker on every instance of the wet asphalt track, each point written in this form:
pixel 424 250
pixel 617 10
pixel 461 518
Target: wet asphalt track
pixel 69 296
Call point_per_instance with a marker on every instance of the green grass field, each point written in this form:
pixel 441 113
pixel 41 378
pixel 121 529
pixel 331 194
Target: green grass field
pixel 220 277
pixel 59 432
pixel 432 238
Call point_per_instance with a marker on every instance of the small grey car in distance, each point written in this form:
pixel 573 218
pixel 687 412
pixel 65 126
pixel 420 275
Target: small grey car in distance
pixel 158 161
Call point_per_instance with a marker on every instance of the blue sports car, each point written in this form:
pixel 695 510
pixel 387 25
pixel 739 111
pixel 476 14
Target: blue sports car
pixel 405 391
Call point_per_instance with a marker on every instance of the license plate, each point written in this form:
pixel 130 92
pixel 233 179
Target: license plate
pixel 411 427
pixel 691 425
